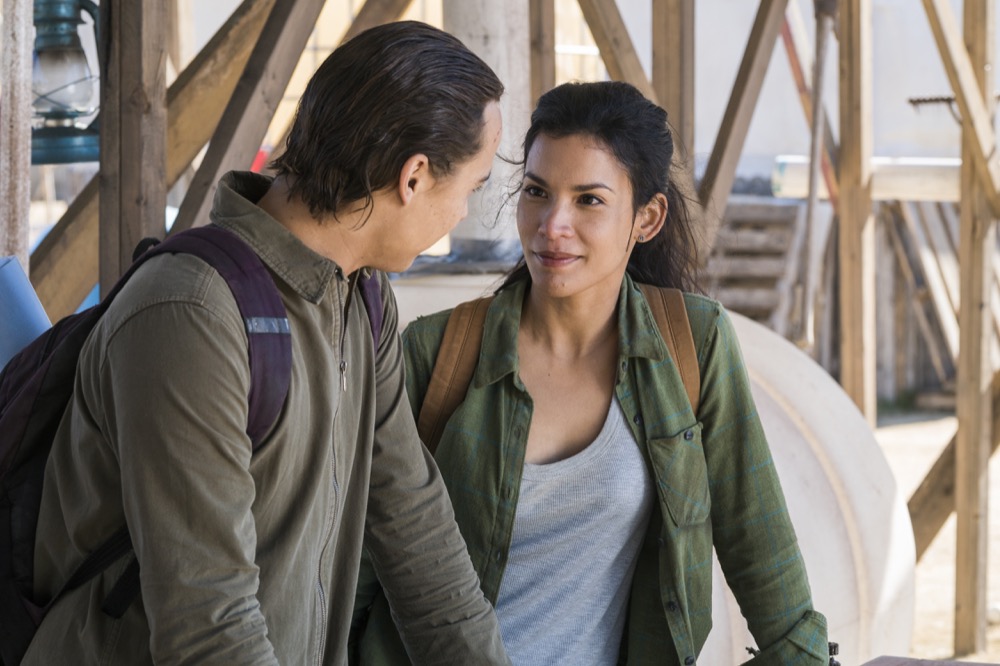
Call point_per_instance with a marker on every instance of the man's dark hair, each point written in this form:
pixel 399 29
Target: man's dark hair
pixel 387 94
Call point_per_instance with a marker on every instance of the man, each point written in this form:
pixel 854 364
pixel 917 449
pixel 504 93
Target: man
pixel 252 558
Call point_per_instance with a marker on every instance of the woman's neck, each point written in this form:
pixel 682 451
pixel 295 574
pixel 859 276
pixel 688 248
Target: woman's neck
pixel 570 328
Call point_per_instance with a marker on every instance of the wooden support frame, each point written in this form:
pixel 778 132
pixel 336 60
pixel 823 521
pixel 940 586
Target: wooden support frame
pixel 720 173
pixel 15 131
pixel 133 133
pixel 542 19
pixel 800 61
pixel 969 96
pixel 615 44
pixel 244 123
pixel 64 266
pixel 673 66
pixel 977 246
pixel 934 500
pixel 857 223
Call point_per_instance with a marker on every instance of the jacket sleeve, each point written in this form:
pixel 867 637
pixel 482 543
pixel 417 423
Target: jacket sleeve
pixel 174 381
pixel 411 536
pixel 752 531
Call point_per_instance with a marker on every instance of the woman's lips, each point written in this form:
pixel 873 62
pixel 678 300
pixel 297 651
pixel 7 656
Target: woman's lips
pixel 555 259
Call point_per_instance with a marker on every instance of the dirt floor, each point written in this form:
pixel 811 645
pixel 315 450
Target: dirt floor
pixel 911 443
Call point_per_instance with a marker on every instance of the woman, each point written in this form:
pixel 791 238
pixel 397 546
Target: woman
pixel 589 493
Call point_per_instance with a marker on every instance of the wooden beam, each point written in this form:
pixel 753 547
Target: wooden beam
pixel 612 38
pixel 180 33
pixel 673 66
pixel 857 224
pixel 800 61
pixel 542 19
pixel 976 248
pixel 15 130
pixel 133 133
pixel 934 500
pixel 64 265
pixel 717 183
pixel 976 118
pixel 239 133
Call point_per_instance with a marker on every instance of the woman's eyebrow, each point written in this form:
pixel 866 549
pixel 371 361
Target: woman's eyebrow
pixel 584 187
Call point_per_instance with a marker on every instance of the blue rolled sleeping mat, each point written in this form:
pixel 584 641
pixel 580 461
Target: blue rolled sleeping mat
pixel 22 317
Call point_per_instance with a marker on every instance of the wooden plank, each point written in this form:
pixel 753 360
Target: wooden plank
pixel 542 19
pixel 976 117
pixel 932 276
pixel 747 267
pixel 942 250
pixel 245 121
pixel 933 501
pixel 133 184
pixel 800 61
pixel 64 265
pixel 15 129
pixel 857 224
pixel 612 39
pixel 974 403
pixel 717 183
pixel 180 33
pixel 748 298
pixel 940 355
pixel 673 66
pixel 752 240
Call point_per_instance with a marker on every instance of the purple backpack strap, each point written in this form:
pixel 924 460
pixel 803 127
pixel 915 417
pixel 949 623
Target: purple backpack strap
pixel 371 295
pixel 262 310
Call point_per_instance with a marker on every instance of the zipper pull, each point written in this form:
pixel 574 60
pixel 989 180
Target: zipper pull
pixel 343 375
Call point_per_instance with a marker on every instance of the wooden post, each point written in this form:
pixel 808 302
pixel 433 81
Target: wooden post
pixel 673 66
pixel 243 125
pixel 720 172
pixel 133 133
pixel 15 135
pixel 977 245
pixel 857 224
pixel 542 23
pixel 64 266
pixel 612 38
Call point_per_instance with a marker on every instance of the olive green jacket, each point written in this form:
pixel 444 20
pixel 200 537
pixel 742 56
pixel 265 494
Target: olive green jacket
pixel 248 559
pixel 713 472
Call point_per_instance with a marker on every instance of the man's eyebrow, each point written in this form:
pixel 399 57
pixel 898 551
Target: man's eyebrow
pixel 584 187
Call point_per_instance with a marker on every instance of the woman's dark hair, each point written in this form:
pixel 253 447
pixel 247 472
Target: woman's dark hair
pixel 387 94
pixel 636 132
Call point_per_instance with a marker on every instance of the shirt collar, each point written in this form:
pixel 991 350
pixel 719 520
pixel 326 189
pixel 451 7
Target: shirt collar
pixel 639 337
pixel 235 208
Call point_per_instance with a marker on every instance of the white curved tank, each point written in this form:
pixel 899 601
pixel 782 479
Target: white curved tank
pixel 851 520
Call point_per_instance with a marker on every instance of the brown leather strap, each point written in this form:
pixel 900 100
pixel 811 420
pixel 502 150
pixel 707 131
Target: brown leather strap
pixel 671 318
pixel 453 369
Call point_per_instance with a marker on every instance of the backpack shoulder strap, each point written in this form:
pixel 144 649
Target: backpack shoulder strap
pixel 671 318
pixel 453 369
pixel 263 312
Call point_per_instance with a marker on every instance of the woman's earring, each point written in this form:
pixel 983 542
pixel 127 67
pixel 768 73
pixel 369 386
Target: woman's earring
pixel 641 239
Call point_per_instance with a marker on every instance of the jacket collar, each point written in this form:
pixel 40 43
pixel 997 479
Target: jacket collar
pixel 235 208
pixel 639 335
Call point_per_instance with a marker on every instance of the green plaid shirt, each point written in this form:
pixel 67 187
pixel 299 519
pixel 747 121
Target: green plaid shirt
pixel 715 481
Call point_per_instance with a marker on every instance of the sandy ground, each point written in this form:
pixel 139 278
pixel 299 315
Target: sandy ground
pixel 911 443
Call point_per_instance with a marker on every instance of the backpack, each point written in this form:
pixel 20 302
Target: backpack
pixel 36 386
pixel 463 338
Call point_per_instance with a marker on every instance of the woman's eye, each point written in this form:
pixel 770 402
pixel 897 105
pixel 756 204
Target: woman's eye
pixel 533 191
pixel 590 200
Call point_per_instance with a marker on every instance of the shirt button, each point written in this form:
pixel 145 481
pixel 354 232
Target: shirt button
pixel 689 661
pixel 624 365
pixel 689 435
pixel 638 419
pixel 498 555
pixel 672 606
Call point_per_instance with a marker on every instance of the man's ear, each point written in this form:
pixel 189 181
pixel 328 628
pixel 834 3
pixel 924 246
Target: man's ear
pixel 651 217
pixel 414 178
